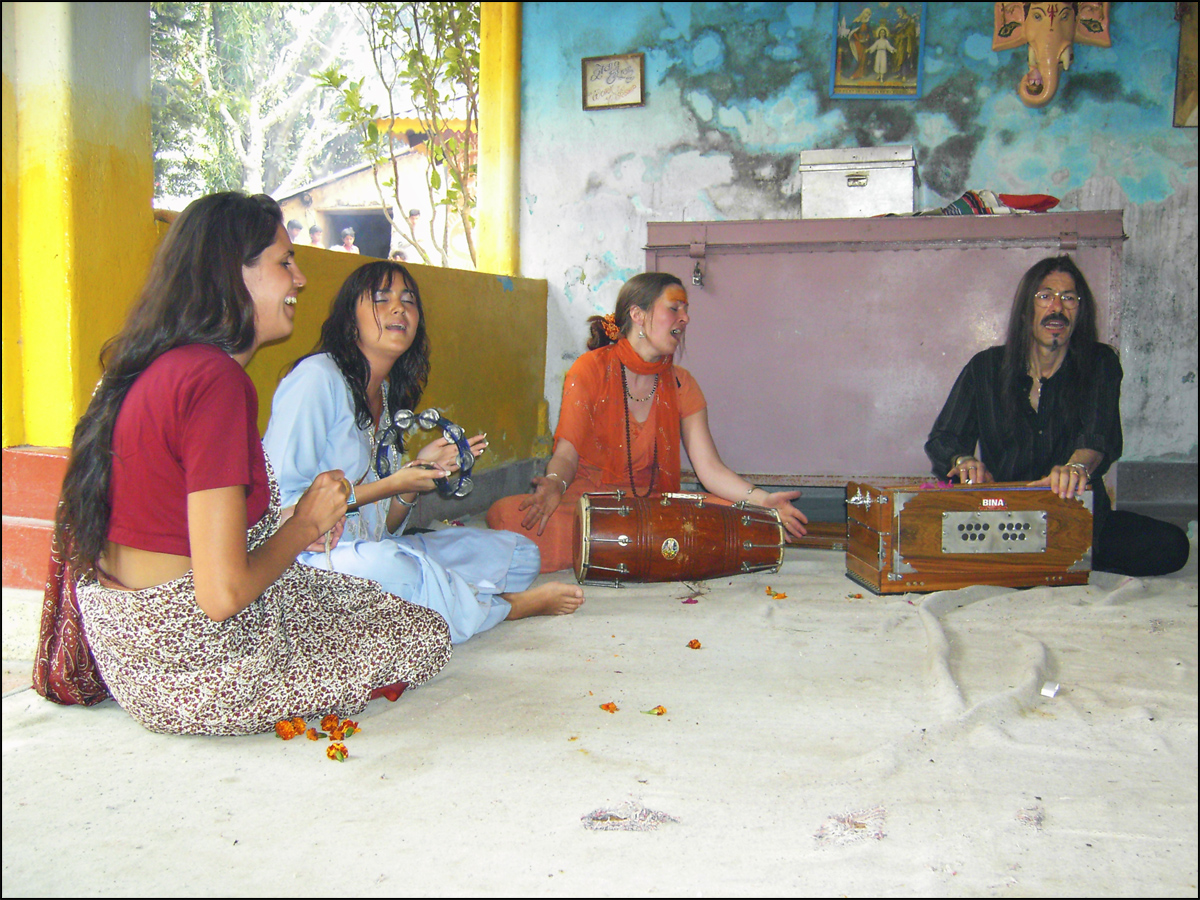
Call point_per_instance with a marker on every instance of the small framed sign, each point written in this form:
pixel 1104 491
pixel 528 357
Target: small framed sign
pixel 612 82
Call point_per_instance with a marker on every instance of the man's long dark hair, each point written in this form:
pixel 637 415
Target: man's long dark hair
pixel 339 338
pixel 1018 343
pixel 195 294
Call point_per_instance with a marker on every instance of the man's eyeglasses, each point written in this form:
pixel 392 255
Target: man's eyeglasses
pixel 1069 299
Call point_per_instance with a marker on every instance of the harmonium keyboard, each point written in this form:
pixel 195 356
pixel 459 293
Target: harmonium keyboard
pixel 909 538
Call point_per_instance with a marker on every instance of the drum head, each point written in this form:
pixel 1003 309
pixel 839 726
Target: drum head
pixel 581 536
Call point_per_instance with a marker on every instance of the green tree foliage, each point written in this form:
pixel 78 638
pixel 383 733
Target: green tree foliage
pixel 426 59
pixel 234 103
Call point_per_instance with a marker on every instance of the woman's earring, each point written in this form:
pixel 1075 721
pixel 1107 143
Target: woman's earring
pixel 641 334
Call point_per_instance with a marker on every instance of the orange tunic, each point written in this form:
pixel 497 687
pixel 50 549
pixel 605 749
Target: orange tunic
pixel 593 420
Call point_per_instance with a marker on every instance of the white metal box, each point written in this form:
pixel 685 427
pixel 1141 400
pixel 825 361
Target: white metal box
pixel 857 181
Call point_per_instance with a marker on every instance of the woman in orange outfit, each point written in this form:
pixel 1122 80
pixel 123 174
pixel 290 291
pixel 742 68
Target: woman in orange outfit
pixel 626 409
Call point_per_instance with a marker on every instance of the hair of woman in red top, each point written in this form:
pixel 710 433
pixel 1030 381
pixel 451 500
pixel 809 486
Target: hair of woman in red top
pixel 195 293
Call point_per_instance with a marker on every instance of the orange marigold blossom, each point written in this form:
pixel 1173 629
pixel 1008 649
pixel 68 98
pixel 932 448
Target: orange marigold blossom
pixel 299 725
pixel 350 727
pixel 313 735
pixel 694 644
pixel 285 729
pixel 609 707
pixel 329 722
pixel 657 711
pixel 337 752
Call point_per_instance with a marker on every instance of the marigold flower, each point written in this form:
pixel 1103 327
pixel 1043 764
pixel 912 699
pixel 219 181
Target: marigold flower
pixel 336 734
pixel 337 751
pixel 780 596
pixel 657 711
pixel 694 644
pixel 609 707
pixel 313 735
pixel 610 327
pixel 285 729
pixel 329 723
pixel 350 727
pixel 298 725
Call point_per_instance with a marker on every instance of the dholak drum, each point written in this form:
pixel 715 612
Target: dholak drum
pixel 675 537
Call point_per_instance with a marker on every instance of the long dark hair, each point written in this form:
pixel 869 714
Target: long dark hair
pixel 1019 340
pixel 195 294
pixel 640 291
pixel 339 338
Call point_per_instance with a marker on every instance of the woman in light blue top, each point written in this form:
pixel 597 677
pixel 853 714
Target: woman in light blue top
pixel 334 408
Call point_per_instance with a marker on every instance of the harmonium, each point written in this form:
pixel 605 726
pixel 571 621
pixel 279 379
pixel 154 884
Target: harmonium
pixel 909 538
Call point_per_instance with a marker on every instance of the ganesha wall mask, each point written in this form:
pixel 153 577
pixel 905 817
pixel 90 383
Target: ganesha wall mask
pixel 1051 30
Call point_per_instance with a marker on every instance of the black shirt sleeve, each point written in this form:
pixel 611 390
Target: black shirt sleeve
pixel 956 431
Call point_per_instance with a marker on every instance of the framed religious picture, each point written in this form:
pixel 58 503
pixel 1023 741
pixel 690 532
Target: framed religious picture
pixel 1185 71
pixel 613 82
pixel 878 50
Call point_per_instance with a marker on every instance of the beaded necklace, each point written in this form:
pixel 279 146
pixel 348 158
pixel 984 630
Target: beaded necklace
pixel 628 442
pixel 653 389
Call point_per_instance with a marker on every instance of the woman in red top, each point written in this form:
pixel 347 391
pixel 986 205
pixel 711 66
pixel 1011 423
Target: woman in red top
pixel 197 615
pixel 626 410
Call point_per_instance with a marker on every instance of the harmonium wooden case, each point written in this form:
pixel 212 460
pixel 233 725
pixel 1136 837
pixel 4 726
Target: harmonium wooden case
pixel 910 538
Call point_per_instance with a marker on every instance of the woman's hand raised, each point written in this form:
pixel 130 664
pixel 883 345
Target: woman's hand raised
pixel 445 453
pixel 547 492
pixel 323 505
pixel 793 520
pixel 419 475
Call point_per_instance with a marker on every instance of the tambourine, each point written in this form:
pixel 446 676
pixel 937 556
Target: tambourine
pixel 406 420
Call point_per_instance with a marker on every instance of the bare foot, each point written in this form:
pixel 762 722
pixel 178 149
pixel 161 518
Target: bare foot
pixel 554 598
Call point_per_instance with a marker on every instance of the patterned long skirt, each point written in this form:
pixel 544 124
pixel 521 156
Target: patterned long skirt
pixel 314 643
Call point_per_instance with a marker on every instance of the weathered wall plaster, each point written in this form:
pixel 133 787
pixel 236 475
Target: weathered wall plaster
pixel 735 91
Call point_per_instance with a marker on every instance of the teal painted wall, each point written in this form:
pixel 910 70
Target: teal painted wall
pixel 735 91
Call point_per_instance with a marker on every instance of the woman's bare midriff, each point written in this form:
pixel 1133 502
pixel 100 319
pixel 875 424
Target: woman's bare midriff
pixel 136 569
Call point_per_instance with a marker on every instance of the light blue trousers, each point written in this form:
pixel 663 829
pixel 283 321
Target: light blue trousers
pixel 457 572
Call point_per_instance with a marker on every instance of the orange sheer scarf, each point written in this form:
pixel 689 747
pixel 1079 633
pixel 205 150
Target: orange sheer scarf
pixel 605 452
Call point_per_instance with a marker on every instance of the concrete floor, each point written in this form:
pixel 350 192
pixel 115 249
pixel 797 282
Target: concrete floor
pixel 826 742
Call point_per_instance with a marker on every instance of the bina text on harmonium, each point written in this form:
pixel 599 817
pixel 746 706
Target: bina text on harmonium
pixel 905 538
pixel 620 538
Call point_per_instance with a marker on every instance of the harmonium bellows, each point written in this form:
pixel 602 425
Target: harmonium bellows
pixel 908 538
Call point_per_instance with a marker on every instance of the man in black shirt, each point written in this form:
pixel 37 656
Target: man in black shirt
pixel 1044 408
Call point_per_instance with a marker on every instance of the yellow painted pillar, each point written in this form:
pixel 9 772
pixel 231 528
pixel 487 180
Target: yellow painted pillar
pixel 82 185
pixel 497 209
pixel 14 405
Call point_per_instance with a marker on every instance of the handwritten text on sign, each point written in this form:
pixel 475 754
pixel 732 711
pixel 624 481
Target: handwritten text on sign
pixel 613 81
